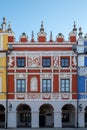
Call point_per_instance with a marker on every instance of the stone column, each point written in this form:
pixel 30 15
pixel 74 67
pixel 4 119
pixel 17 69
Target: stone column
pixel 57 119
pixel 35 119
pixel 12 119
pixel 81 119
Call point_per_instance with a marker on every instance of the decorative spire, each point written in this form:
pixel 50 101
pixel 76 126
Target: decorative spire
pixel 80 32
pixel 32 37
pixel 50 35
pixel 42 28
pixel 4 24
pixel 51 40
pixel 74 27
pixel 9 28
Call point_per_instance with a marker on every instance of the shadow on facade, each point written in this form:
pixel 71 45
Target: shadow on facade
pixel 46 116
pixel 23 116
pixel 68 116
pixel 2 116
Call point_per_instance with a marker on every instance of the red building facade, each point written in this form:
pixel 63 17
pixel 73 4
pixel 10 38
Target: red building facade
pixel 42 81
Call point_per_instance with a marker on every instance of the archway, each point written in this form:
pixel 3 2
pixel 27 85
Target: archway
pixel 68 116
pixel 2 116
pixel 86 116
pixel 23 116
pixel 46 116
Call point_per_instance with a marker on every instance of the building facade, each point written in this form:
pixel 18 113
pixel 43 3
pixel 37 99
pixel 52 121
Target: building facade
pixel 82 79
pixel 41 81
pixel 3 71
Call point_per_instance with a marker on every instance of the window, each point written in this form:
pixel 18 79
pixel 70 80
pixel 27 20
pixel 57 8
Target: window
pixel 46 62
pixel 46 85
pixel 21 85
pixel 65 62
pixel 65 117
pixel 20 62
pixel 65 85
pixel 25 117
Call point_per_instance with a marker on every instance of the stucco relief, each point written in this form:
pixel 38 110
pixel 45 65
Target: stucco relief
pixel 10 61
pixel 65 95
pixel 74 62
pixel 20 76
pixel 33 96
pixel 55 61
pixel 20 95
pixel 82 71
pixel 33 84
pixel 34 61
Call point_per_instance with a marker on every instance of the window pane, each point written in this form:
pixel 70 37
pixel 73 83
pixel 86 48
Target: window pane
pixel 46 85
pixel 21 85
pixel 65 62
pixel 20 62
pixel 65 85
pixel 46 62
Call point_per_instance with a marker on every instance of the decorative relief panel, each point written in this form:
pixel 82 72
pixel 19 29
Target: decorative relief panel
pixel 65 76
pixel 33 84
pixel 46 96
pixel 55 96
pixel 10 61
pixel 65 95
pixel 21 96
pixel 55 61
pixel 33 96
pixel 46 76
pixel 34 61
pixel 82 71
pixel 74 62
pixel 20 76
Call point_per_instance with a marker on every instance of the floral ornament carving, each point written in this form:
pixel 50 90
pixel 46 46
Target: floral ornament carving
pixel 55 61
pixel 34 61
pixel 82 71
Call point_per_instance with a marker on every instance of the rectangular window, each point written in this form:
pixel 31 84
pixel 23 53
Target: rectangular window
pixel 25 117
pixel 65 85
pixel 20 62
pixel 65 62
pixel 65 117
pixel 46 62
pixel 21 85
pixel 46 85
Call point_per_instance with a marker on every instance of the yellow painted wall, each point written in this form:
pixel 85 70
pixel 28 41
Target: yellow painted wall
pixel 3 66
pixel 5 41
pixel 3 89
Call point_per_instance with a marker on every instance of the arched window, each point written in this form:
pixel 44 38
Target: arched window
pixel 33 84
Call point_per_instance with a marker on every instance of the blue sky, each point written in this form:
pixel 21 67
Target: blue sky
pixel 57 15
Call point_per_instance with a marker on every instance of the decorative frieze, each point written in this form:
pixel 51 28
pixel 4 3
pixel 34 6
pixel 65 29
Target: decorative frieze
pixel 65 95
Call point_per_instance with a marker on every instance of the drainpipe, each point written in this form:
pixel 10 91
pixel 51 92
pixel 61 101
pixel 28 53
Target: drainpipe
pixel 6 115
